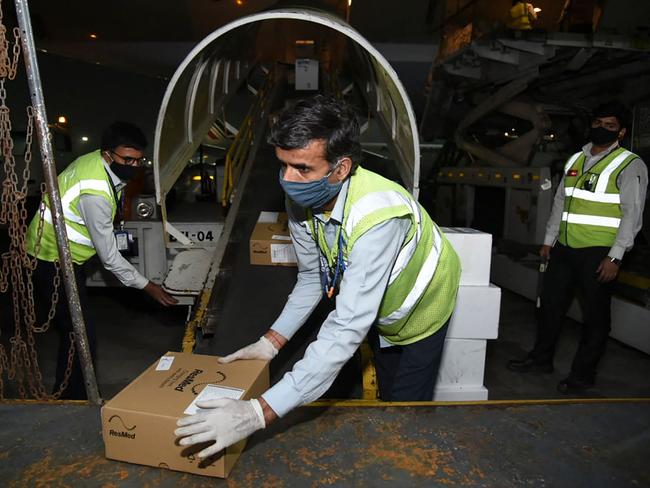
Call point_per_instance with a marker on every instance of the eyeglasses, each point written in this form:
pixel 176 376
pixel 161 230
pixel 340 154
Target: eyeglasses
pixel 129 161
pixel 595 122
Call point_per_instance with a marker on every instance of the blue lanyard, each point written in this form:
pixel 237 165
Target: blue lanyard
pixel 330 280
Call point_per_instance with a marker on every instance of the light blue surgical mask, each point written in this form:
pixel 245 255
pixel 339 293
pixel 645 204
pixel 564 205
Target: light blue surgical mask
pixel 311 194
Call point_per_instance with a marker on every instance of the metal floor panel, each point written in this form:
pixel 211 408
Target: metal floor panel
pixel 571 445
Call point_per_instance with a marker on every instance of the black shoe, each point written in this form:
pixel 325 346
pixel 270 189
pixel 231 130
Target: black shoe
pixel 529 365
pixel 572 386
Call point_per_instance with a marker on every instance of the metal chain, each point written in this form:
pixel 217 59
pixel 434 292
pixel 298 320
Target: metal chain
pixel 20 364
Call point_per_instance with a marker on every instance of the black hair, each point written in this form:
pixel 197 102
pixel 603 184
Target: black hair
pixel 319 117
pixel 123 134
pixel 614 109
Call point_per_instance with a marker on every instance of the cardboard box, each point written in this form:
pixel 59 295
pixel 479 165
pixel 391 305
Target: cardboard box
pixel 476 315
pixel 474 248
pixel 270 242
pixel 138 423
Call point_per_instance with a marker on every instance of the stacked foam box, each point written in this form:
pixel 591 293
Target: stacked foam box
pixel 475 319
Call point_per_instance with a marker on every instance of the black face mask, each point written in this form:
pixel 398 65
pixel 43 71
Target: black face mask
pixel 601 136
pixel 122 171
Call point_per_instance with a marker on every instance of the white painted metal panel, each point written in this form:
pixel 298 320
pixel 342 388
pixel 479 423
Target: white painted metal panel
pixel 234 41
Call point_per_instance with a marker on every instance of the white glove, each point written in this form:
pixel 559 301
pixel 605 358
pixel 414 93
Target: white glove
pixel 227 421
pixel 262 349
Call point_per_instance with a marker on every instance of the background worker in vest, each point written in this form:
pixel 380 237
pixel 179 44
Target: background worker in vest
pixel 597 212
pixel 389 267
pixel 92 191
pixel 522 16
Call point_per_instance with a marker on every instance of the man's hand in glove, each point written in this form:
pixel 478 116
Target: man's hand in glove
pixel 266 347
pixel 225 421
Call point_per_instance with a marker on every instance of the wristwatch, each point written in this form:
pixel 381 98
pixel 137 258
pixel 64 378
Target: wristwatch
pixel 616 261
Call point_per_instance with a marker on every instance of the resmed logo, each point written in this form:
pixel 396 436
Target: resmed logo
pixel 125 432
pixel 189 379
pixel 220 377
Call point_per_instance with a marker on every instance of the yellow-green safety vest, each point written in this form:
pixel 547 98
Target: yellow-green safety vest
pixel 519 17
pixel 592 201
pixel 84 176
pixel 423 283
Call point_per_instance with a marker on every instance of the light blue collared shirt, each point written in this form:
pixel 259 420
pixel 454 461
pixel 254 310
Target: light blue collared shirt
pixel 357 304
pixel 97 213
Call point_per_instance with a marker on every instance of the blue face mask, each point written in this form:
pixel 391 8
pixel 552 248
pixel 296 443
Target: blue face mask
pixel 312 194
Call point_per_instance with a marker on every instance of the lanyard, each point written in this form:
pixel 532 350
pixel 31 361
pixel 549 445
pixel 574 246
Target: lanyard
pixel 119 202
pixel 330 279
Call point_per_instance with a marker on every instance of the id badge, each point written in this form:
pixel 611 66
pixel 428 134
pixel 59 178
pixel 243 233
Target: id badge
pixel 122 240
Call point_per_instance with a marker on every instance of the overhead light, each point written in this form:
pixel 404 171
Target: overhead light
pixel 93 36
pixel 239 2
pixel 537 10
pixel 62 119
pixel 84 138
pixel 349 3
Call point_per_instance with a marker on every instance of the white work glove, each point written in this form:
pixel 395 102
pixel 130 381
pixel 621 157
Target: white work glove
pixel 227 421
pixel 262 349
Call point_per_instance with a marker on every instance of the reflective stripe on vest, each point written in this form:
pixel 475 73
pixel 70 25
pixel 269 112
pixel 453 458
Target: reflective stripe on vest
pixel 572 160
pixel 73 235
pixel 75 191
pixel 421 283
pixel 601 186
pixel 591 220
pixel 593 196
pixel 381 200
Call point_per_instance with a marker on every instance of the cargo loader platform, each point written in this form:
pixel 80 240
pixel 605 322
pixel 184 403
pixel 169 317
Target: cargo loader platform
pixel 586 444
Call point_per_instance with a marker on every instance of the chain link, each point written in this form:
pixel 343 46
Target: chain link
pixel 20 364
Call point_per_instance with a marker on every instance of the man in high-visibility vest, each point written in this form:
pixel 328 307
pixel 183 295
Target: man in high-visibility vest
pixel 362 239
pixel 597 212
pixel 522 15
pixel 92 194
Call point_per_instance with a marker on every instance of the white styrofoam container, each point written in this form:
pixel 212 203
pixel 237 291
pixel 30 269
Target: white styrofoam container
pixel 476 315
pixel 460 394
pixel 474 248
pixel 462 363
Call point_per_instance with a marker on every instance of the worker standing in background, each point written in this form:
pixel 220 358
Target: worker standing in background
pixel 92 194
pixel 522 16
pixel 360 239
pixel 597 212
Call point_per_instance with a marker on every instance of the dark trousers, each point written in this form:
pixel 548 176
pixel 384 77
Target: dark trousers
pixel 408 373
pixel 44 286
pixel 568 269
